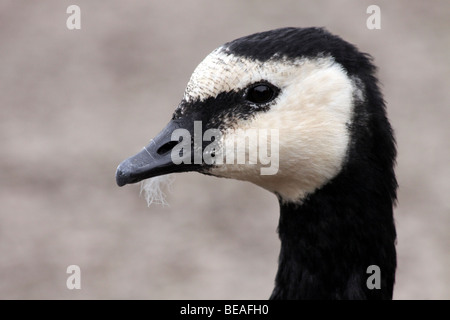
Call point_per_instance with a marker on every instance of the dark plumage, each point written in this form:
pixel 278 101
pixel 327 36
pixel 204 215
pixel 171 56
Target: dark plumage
pixel 329 238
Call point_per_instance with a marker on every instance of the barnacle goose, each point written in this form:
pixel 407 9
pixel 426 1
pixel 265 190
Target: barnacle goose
pixel 335 181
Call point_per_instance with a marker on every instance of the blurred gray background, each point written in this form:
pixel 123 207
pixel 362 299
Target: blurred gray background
pixel 74 104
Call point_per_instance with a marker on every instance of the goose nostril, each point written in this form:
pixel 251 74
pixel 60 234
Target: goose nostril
pixel 167 147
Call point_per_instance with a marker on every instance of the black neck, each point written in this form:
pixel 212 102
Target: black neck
pixel 329 241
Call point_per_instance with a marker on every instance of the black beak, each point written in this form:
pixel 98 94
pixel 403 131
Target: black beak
pixel 155 159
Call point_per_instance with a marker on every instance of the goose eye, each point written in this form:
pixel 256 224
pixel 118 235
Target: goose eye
pixel 261 93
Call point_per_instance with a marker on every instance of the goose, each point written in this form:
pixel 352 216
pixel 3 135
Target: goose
pixel 335 173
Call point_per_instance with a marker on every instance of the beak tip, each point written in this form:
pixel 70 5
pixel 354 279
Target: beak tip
pixel 121 177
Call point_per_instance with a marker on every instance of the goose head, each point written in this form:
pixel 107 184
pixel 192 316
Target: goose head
pixel 291 90
pixel 301 112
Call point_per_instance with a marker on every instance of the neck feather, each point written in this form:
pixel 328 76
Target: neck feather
pixel 329 241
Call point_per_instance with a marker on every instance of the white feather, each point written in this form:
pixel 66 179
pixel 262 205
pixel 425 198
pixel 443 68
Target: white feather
pixel 154 189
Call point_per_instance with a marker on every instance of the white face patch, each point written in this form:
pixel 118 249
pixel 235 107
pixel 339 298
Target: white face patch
pixel 221 71
pixel 311 113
